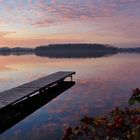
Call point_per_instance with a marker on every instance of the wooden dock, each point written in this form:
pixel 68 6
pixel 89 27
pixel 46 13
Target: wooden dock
pixel 27 90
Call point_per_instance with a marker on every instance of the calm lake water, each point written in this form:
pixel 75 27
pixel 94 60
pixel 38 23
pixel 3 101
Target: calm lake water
pixel 101 84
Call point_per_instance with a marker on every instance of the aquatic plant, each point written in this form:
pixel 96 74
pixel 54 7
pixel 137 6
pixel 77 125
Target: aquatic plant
pixel 135 96
pixel 119 124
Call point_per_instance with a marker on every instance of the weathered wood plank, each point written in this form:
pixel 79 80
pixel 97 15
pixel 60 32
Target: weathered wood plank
pixel 22 91
pixel 14 94
pixel 48 80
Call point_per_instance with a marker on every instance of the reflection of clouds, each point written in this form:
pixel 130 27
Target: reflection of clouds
pixel 6 82
pixel 99 103
pixel 6 68
pixel 88 97
pixel 95 93
pixel 83 99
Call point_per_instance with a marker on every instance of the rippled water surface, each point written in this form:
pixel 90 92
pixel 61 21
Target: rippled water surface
pixel 101 84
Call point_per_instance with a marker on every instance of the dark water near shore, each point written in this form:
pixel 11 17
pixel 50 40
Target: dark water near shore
pixel 101 84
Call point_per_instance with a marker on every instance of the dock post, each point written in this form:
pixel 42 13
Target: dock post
pixel 71 78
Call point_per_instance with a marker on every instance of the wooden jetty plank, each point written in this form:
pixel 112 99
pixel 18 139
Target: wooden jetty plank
pixel 23 91
pixel 48 80
pixel 14 94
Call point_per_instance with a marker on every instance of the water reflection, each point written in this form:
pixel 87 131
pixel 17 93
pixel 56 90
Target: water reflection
pixel 101 84
pixel 89 54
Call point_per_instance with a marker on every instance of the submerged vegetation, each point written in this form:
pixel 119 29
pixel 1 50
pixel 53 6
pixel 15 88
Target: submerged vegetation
pixel 120 124
pixel 135 97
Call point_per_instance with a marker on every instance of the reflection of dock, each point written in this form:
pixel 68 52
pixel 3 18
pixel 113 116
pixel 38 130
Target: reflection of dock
pixel 19 102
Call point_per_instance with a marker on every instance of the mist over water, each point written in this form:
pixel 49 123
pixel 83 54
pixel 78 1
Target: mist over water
pixel 101 84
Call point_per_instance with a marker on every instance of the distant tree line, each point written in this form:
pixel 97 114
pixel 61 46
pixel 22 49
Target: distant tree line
pixel 16 49
pixel 75 50
pixel 129 50
pixel 76 47
pixel 69 50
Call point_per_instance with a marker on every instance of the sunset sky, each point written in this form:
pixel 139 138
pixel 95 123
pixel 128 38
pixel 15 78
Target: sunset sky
pixel 30 23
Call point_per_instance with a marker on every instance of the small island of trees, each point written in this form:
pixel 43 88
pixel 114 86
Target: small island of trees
pixel 69 50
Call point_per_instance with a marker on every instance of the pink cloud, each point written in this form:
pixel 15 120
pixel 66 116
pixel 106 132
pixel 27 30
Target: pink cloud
pixel 42 13
pixel 119 18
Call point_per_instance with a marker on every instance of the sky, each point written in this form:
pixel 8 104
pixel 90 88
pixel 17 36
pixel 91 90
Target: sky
pixel 30 23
